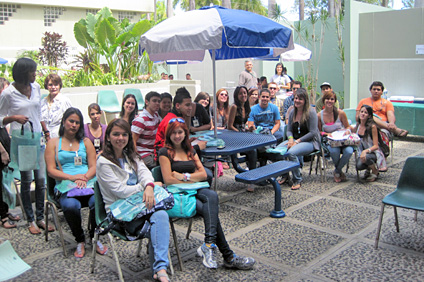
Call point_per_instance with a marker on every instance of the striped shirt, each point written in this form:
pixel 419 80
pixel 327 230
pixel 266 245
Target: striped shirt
pixel 146 126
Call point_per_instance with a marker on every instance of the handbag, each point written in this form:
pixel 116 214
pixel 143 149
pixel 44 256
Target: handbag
pixel 25 149
pixel 9 194
pixel 185 198
pixel 124 211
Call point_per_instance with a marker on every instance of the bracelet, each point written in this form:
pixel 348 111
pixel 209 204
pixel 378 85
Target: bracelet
pixel 369 151
pixel 45 132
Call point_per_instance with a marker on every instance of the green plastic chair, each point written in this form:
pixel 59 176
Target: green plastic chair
pixel 409 193
pixel 44 96
pixel 351 114
pixel 157 176
pixel 108 101
pixel 138 96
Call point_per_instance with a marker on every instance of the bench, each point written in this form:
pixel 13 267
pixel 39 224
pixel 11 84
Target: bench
pixel 269 172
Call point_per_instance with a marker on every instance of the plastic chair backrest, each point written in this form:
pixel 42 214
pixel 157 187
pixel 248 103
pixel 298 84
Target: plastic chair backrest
pixel 108 101
pixel 412 176
pixel 138 96
pixel 351 114
pixel 99 205
pixel 157 174
pixel 44 96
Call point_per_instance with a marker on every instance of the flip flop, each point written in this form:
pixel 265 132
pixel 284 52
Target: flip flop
pixel 296 186
pixel 7 223
pixel 13 217
pixel 403 133
pixel 283 180
pixel 33 229
pixel 100 249
pixel 80 251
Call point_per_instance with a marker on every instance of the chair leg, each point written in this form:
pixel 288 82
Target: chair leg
pixel 174 235
pixel 391 151
pixel 190 224
pixel 312 164
pixel 171 267
pixel 379 226
pixel 46 216
pixel 357 171
pixel 58 227
pixel 416 216
pixel 396 219
pixel 93 252
pixel 140 244
pixel 115 256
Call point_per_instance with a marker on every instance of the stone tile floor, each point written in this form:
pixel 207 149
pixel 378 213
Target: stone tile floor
pixel 327 235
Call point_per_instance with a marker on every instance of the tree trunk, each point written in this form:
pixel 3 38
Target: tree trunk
pixel 271 9
pixel 169 9
pixel 419 4
pixel 385 3
pixel 226 4
pixel 331 8
pixel 337 7
pixel 301 10
pixel 192 5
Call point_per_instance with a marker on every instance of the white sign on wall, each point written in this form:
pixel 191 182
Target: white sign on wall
pixel 419 50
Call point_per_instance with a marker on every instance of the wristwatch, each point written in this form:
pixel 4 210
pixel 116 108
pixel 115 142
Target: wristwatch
pixel 187 177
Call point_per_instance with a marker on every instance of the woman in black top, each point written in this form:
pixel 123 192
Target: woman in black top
pixel 179 163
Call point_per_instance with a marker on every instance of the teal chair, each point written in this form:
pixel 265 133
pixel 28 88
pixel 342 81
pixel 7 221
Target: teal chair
pixel 157 176
pixel 409 193
pixel 44 96
pixel 108 102
pixel 100 215
pixel 138 96
pixel 351 114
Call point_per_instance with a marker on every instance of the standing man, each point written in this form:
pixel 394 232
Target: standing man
pixel 188 76
pixel 248 77
pixel 265 115
pixel 319 105
pixel 144 128
pixel 384 112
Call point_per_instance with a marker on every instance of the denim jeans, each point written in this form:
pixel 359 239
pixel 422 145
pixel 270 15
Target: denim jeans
pixel 71 208
pixel 207 206
pixel 159 238
pixel 335 152
pixel 40 188
pixel 371 159
pixel 301 149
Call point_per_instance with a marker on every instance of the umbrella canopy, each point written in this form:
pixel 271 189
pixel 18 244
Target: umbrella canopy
pixel 3 61
pixel 299 53
pixel 231 33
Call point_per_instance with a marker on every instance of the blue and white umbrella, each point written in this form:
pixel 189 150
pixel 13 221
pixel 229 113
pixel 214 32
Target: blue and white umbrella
pixel 225 33
pixel 3 61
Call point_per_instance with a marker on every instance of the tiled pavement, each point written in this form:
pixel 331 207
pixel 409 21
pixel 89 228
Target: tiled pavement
pixel 327 235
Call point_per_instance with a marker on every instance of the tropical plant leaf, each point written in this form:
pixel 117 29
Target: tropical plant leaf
pixel 105 33
pixel 140 28
pixel 105 13
pixel 91 24
pixel 81 35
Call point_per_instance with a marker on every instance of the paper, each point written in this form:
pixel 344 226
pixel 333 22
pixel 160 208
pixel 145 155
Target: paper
pixel 11 265
pixel 338 135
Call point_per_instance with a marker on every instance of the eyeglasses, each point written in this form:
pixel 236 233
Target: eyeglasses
pixel 294 88
pixel 223 94
pixel 273 88
pixel 176 119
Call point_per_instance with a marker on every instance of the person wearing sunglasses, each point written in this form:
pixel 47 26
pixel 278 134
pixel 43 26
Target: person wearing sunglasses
pixel 222 108
pixel 325 88
pixel 289 101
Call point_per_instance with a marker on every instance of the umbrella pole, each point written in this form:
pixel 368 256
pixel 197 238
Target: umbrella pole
pixel 215 114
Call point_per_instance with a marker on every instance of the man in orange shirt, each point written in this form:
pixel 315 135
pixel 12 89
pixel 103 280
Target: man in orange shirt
pixel 383 109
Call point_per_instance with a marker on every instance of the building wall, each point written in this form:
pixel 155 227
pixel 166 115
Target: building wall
pixel 25 27
pixel 387 45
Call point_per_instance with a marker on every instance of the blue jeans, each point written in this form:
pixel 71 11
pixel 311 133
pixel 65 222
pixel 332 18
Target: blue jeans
pixel 40 188
pixel 301 149
pixel 159 238
pixel 207 206
pixel 71 208
pixel 335 152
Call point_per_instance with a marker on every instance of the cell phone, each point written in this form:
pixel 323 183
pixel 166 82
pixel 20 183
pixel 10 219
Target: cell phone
pixel 220 147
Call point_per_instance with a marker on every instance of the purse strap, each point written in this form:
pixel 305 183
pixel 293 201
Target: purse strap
pixel 32 129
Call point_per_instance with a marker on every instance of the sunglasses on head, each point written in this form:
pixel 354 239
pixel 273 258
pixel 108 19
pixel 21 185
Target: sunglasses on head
pixel 176 119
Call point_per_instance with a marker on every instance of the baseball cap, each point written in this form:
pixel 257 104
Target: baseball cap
pixel 325 84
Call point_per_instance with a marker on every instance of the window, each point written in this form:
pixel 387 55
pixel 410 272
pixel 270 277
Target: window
pixel 51 14
pixel 93 11
pixel 124 14
pixel 6 11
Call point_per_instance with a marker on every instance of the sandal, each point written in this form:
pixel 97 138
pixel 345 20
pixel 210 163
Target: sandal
pixel 337 177
pixel 283 180
pixel 42 225
pixel 342 176
pixel 373 177
pixel 402 133
pixel 100 249
pixel 158 276
pixel 7 223
pixel 296 186
pixel 33 228
pixel 250 188
pixel 13 217
pixel 367 174
pixel 80 251
pixel 225 165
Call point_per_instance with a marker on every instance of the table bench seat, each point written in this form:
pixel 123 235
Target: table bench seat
pixel 269 172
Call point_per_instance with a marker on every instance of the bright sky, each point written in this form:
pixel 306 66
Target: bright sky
pixel 287 6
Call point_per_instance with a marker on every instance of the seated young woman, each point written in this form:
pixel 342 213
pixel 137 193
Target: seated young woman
pixel 122 173
pixel 332 119
pixel 73 157
pixel 370 156
pixel 179 163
